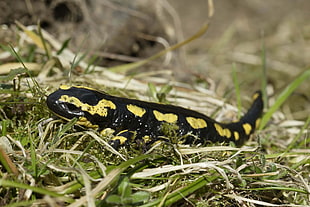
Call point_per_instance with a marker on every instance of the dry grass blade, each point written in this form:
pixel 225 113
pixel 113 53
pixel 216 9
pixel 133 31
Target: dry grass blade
pixel 127 67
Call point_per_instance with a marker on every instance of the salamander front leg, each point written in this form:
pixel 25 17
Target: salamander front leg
pixel 121 138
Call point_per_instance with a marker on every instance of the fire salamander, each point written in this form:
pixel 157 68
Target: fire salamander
pixel 143 122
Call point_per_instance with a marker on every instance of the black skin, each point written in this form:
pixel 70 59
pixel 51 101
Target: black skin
pixel 121 119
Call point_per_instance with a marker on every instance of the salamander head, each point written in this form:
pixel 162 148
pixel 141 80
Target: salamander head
pixel 70 102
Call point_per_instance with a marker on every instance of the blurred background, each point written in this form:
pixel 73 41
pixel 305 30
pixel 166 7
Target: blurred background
pixel 118 32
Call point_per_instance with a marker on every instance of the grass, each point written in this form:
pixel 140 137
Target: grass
pixel 46 161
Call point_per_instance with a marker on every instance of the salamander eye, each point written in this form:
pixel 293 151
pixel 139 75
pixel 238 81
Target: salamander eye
pixel 89 98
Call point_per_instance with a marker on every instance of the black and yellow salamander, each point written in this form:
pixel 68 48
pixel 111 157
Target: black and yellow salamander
pixel 143 122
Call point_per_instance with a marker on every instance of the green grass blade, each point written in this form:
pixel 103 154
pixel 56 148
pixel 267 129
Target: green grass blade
pixel 187 190
pixel 119 169
pixel 13 184
pixel 283 96
pixel 33 156
pixel 110 178
pixel 303 162
pixel 66 127
pixel 46 47
pixel 64 45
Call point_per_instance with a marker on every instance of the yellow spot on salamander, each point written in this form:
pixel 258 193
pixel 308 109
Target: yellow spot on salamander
pixel 101 108
pixel 121 139
pixel 219 129
pixel 257 123
pixel 88 88
pixel 227 133
pixel 136 110
pixel 255 96
pixel 170 118
pixel 247 128
pixel 224 132
pixel 84 122
pixel 146 139
pixel 107 132
pixel 64 87
pixel 121 132
pixel 196 123
pixel 236 135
